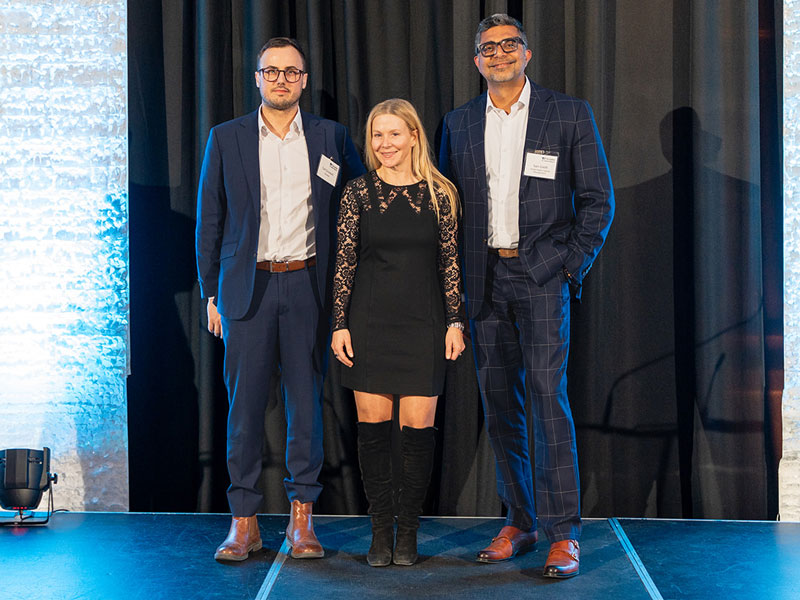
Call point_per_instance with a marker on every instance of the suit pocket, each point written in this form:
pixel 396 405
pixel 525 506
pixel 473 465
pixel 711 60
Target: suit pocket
pixel 228 250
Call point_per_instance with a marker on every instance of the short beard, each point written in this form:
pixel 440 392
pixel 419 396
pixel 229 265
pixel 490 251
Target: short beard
pixel 495 77
pixel 284 104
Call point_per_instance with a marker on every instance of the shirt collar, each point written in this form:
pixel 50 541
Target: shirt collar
pixel 523 101
pixel 295 127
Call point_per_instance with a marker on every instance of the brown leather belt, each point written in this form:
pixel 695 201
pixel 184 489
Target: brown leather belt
pixel 505 252
pixel 283 267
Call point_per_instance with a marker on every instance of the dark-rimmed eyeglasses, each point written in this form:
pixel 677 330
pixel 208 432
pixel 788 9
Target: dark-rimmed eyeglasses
pixel 507 45
pixel 291 75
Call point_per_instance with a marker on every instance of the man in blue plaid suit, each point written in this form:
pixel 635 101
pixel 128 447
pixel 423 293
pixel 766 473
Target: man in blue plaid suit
pixel 538 203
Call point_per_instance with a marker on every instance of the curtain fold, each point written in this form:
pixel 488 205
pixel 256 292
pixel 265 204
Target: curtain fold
pixel 667 372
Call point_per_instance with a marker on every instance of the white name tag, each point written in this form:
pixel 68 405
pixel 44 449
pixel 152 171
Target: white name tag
pixel 541 164
pixel 327 170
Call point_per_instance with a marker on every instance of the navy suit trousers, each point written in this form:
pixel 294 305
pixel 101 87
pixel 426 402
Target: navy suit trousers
pixel 521 339
pixel 281 333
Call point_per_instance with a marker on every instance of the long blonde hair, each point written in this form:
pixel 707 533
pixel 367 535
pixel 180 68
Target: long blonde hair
pixel 422 165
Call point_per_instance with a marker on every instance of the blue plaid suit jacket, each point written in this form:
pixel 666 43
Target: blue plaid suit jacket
pixel 563 222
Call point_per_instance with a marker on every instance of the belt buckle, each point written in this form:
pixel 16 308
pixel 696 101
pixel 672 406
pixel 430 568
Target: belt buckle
pixel 278 267
pixel 508 252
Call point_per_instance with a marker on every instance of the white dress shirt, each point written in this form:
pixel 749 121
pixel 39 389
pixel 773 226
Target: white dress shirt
pixel 504 145
pixel 287 215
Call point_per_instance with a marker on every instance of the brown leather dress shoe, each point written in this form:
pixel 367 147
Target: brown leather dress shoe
pixel 243 538
pixel 563 559
pixel 508 543
pixel 300 533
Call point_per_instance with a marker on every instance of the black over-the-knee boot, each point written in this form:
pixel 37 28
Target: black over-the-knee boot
pixel 418 446
pixel 375 458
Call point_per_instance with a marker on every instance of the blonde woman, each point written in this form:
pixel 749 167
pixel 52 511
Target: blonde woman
pixel 397 315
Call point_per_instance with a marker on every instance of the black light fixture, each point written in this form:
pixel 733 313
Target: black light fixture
pixel 24 477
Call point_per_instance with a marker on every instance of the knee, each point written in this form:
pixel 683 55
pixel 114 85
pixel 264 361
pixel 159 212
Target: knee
pixel 416 421
pixel 418 417
pixel 374 413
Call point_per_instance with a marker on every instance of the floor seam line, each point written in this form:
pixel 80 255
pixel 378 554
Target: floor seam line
pixel 633 556
pixel 274 569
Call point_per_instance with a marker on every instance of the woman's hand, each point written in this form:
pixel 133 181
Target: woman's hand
pixel 342 347
pixel 453 343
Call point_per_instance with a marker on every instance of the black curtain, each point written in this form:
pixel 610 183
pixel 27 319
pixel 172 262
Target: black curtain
pixel 674 376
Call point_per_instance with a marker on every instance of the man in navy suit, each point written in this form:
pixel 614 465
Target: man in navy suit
pixel 267 203
pixel 538 204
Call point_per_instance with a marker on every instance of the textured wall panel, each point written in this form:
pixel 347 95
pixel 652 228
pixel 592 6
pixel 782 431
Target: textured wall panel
pixel 789 475
pixel 64 242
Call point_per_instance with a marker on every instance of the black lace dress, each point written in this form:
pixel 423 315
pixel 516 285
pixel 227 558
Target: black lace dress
pixel 396 286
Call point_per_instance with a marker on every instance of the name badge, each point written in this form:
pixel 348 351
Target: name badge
pixel 541 164
pixel 328 170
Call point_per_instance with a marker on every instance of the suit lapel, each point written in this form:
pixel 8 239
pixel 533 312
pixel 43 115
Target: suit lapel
pixel 315 142
pixel 538 115
pixel 476 129
pixel 247 138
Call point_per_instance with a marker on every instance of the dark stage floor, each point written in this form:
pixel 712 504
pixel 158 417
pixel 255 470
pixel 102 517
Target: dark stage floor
pixel 108 556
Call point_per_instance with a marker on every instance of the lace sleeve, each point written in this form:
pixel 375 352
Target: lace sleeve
pixel 348 232
pixel 449 269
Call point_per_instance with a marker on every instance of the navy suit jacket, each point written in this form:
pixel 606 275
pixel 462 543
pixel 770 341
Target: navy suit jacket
pixel 229 207
pixel 562 222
